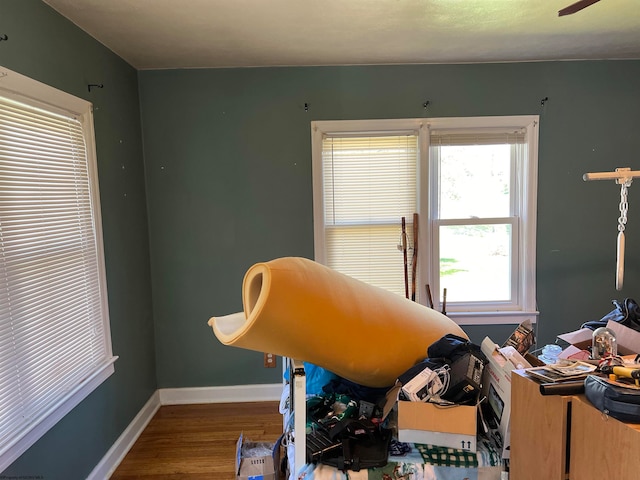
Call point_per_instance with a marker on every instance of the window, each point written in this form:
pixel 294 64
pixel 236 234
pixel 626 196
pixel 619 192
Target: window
pixel 472 182
pixel 55 345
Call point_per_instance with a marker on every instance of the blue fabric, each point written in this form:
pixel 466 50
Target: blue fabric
pixel 316 377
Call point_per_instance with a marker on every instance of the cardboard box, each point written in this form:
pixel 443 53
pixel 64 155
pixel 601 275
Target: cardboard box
pixel 497 388
pixel 427 423
pixel 261 467
pixel 580 339
pixel 574 353
pixel 628 340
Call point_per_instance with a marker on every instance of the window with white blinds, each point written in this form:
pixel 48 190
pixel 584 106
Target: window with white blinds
pixel 55 343
pixel 472 181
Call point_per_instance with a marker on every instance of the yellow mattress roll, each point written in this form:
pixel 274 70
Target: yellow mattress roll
pixel 301 309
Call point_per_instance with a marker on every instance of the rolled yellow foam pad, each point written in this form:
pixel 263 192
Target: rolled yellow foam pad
pixel 301 309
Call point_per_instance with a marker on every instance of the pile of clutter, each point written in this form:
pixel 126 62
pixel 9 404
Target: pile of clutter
pixel 458 390
pixel 601 359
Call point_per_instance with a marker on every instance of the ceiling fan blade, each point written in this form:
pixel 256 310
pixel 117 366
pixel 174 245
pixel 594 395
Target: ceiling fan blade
pixel 576 7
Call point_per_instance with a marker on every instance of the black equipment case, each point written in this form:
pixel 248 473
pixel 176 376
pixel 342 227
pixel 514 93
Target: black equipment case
pixel 617 402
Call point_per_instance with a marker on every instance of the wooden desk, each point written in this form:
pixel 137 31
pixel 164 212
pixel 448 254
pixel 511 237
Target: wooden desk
pixel 539 432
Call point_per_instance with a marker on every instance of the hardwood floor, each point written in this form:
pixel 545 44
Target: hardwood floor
pixel 198 441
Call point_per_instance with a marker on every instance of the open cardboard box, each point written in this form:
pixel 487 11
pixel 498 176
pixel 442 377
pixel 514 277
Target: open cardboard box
pixel 496 387
pixel 255 468
pixel 431 424
pixel 428 423
pixel 628 341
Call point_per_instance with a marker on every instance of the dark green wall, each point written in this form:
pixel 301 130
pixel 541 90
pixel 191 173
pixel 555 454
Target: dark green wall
pixel 229 183
pixel 48 48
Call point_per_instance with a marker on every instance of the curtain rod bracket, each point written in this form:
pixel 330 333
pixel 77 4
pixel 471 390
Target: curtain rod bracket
pixel 4 37
pixel 544 100
pixel 426 104
pixel 97 85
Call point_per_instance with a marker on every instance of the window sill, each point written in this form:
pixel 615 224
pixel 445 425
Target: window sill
pixel 32 433
pixel 492 318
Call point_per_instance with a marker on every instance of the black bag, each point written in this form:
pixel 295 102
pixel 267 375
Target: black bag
pixel 617 402
pixel 452 347
pixel 351 445
pixel 626 313
pixel 362 450
pixel 320 445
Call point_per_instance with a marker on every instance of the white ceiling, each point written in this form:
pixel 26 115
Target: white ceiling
pixel 158 34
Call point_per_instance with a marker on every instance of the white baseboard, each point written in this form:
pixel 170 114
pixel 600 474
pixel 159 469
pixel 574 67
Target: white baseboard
pixel 179 396
pixel 125 441
pixel 226 394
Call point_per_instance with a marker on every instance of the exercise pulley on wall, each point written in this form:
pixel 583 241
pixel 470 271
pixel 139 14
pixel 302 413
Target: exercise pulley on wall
pixel 623 177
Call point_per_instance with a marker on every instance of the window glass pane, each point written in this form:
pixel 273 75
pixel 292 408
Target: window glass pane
pixel 475 181
pixel 475 262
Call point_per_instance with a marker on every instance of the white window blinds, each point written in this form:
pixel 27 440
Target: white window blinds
pixel 369 183
pixel 54 334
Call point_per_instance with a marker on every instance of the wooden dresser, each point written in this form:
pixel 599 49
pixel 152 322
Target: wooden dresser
pixel 557 437
pixel 539 432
